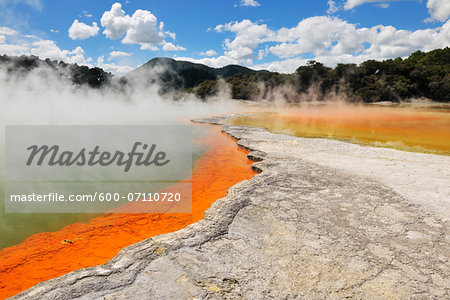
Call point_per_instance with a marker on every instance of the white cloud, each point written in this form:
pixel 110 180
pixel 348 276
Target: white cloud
pixel 141 28
pixel 172 47
pixel 30 36
pixel 439 10
pixel 252 3
pixel 15 44
pixel 210 52
pixel 335 37
pixel 172 35
pixel 28 45
pixel 353 3
pixel 114 54
pixel 49 49
pixel 113 68
pixel 340 41
pixel 115 21
pixel 248 36
pixel 8 48
pixel 300 39
pixel 86 14
pixel 149 47
pixel 326 39
pixel 54 31
pixel 13 50
pixel 81 31
pixel 383 5
pixel 284 66
pixel 263 52
pixel 7 31
pixel 332 7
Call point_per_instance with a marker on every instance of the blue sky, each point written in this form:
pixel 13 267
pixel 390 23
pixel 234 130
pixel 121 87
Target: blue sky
pixel 276 35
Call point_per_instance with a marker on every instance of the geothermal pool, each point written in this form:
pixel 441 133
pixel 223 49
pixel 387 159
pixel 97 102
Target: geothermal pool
pixel 220 163
pixel 411 128
pixel 46 255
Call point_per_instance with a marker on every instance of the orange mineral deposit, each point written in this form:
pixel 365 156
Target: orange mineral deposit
pixel 404 128
pixel 51 254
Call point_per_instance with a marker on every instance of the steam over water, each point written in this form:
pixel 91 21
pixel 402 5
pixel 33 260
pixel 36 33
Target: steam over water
pixel 41 97
pixel 405 127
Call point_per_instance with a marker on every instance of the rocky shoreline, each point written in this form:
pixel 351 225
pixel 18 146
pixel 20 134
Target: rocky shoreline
pixel 297 230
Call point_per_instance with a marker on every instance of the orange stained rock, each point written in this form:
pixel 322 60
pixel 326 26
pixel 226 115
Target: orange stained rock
pixel 51 254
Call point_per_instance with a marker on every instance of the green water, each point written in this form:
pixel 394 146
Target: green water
pixel 15 228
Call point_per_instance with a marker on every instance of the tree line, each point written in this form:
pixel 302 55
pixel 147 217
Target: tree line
pixel 422 74
pixel 76 74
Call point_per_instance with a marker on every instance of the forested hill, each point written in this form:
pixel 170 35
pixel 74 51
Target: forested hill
pixel 175 74
pixel 78 75
pixel 422 74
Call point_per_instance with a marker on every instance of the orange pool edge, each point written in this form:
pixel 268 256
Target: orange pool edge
pixel 45 255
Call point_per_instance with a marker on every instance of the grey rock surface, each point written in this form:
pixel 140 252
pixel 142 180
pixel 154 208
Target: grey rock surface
pixel 297 230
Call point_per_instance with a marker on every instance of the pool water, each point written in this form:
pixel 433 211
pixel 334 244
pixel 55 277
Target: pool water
pixel 46 255
pixel 410 128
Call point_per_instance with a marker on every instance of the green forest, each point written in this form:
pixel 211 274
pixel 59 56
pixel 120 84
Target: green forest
pixel 421 75
pixel 78 75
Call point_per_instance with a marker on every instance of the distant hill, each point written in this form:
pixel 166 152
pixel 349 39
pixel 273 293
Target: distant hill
pixel 78 75
pixel 421 75
pixel 179 74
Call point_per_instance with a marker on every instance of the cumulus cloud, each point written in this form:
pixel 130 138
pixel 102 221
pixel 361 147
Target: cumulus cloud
pixel 149 47
pixel 15 44
pixel 32 45
pixel 339 41
pixel 439 10
pixel 299 39
pixel 81 31
pixel 7 31
pixel 13 50
pixel 140 28
pixel 115 21
pixel 353 3
pixel 114 54
pixel 210 52
pixel 330 40
pixel 248 36
pixel 49 49
pixel 252 3
pixel 171 47
pixel 113 68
